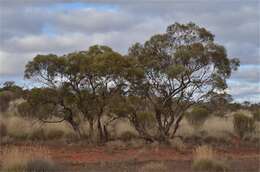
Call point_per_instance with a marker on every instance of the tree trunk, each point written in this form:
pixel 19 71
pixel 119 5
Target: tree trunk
pixel 177 123
pixel 75 127
pixel 91 129
pixel 101 136
pixel 105 133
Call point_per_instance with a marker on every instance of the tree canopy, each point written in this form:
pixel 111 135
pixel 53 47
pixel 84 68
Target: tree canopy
pixel 155 83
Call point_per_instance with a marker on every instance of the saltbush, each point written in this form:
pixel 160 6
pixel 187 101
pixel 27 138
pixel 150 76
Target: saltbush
pixel 197 116
pixel 37 135
pixel 54 134
pixel 127 136
pixel 243 124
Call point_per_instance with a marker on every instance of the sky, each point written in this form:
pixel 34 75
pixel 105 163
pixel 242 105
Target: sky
pixel 31 27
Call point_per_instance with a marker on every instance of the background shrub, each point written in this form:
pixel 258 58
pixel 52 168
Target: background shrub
pixel 243 124
pixel 197 116
pixel 54 134
pixel 256 115
pixel 127 136
pixel 37 134
pixel 3 129
pixel 146 119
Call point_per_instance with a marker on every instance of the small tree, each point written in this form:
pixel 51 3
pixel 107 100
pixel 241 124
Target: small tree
pixel 78 85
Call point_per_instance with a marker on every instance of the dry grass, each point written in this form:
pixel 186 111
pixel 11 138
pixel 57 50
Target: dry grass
pixel 205 160
pixel 204 152
pixel 14 159
pixel 154 167
pixel 219 128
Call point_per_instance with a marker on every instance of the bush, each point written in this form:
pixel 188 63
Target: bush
pixel 54 134
pixel 37 134
pixel 127 136
pixel 256 115
pixel 146 119
pixel 41 165
pixel 3 130
pixel 197 116
pixel 24 109
pixel 5 98
pixel 243 124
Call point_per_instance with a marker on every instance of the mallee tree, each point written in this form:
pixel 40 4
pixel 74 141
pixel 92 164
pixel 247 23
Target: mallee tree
pixel 152 86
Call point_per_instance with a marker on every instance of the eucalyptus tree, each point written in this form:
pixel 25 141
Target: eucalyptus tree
pixel 181 67
pixel 77 85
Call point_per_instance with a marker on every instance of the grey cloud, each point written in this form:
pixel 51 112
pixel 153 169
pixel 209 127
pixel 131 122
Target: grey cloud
pixel 93 21
pixel 235 24
pixel 247 74
pixel 244 89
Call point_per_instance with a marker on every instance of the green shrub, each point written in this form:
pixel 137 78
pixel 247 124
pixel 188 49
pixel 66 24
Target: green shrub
pixel 54 134
pixel 37 134
pixel 127 136
pixel 209 165
pixel 146 119
pixel 256 115
pixel 24 109
pixel 243 124
pixel 19 136
pixel 197 116
pixel 3 130
pixel 41 165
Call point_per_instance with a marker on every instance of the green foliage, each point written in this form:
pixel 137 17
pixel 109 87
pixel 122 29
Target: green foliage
pixel 147 119
pixel 243 124
pixel 25 109
pixel 197 116
pixel 209 165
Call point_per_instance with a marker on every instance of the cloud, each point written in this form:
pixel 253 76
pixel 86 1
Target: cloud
pixel 34 27
pixel 247 73
pixel 242 91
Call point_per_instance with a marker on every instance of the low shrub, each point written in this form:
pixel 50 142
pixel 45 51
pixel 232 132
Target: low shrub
pixel 41 165
pixel 197 116
pixel 54 134
pixel 127 136
pixel 37 135
pixel 243 124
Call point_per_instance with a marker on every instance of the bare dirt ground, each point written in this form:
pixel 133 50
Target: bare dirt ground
pixel 101 158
